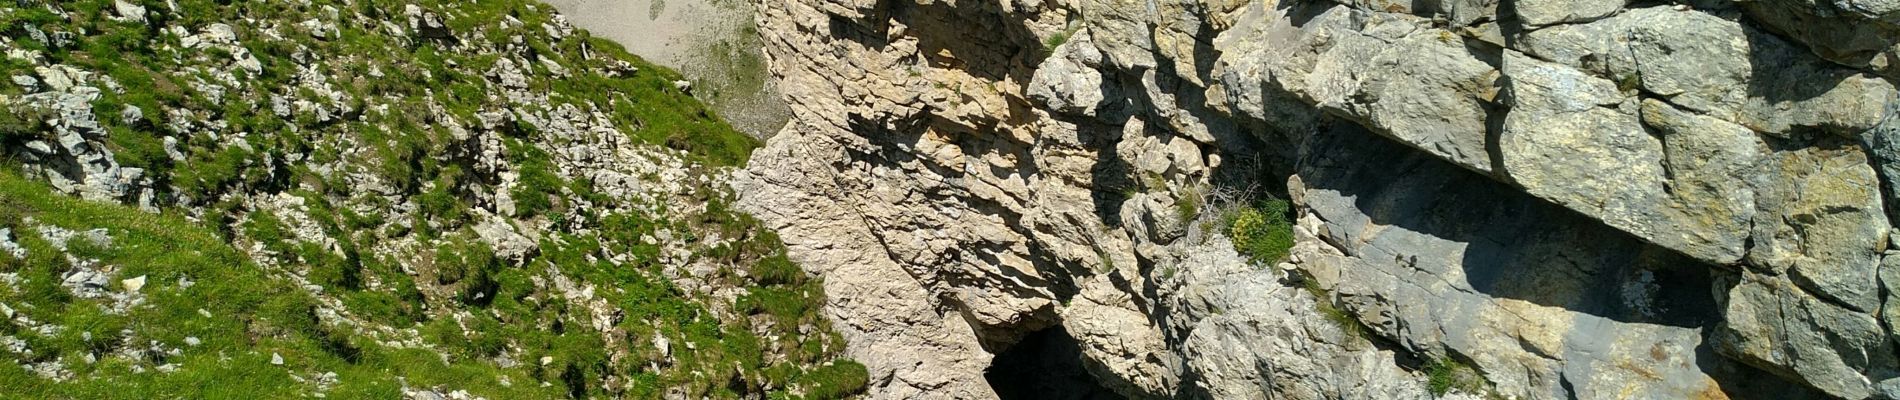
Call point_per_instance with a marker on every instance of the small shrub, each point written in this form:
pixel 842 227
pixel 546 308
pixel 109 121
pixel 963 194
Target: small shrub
pixel 1629 81
pixel 1264 233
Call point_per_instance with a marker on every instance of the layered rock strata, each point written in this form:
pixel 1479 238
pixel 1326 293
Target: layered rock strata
pixel 1603 200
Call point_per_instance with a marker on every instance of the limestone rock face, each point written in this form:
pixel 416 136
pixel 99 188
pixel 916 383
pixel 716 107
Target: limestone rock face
pixel 1581 199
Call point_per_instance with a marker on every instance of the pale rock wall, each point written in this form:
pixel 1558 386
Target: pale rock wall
pixel 1594 200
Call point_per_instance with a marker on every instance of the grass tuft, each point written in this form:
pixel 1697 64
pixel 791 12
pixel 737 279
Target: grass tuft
pixel 1445 374
pixel 1264 232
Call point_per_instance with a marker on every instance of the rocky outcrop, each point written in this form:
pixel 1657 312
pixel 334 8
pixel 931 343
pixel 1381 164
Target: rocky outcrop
pixel 77 160
pixel 1593 200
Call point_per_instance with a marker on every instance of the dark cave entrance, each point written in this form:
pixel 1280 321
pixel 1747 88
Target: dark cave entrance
pixel 1046 364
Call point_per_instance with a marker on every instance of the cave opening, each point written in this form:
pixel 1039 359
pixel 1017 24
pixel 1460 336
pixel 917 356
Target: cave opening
pixel 1046 364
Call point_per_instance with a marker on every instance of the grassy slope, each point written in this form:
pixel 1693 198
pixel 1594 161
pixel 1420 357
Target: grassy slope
pixel 252 315
pixel 258 311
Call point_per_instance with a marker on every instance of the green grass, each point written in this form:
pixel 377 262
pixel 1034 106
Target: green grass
pixel 1445 374
pixel 267 314
pixel 839 380
pixel 539 185
pixel 254 313
pixel 1263 232
pixel 1323 303
pixel 414 163
pixel 20 124
pixel 1188 207
pixel 1056 40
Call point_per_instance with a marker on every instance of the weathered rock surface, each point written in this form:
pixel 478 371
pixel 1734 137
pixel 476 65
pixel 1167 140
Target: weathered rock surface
pixel 1547 302
pixel 1581 199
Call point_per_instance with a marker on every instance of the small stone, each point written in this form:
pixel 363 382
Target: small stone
pixel 129 11
pixel 220 33
pixel 316 28
pixel 39 147
pixel 131 115
pixel 99 237
pixel 193 341
pixel 171 149
pixel 134 284
pixel 29 83
pixel 72 142
pixel 276 359
pixel 8 247
pixel 545 360
pixel 245 61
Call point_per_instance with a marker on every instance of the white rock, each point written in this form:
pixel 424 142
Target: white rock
pixel 29 83
pixel 171 149
pixel 129 11
pixel 276 359
pixel 245 61
pixel 220 34
pixel 134 284
pixel 8 247
pixel 86 283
